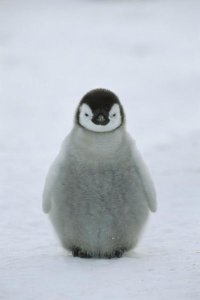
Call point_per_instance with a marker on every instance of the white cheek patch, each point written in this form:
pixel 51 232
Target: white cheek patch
pixel 86 115
pixel 85 110
pixel 115 112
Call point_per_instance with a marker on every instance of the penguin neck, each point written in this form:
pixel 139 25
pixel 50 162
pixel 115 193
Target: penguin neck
pixel 97 144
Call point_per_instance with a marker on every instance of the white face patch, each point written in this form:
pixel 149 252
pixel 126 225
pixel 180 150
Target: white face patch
pixel 86 115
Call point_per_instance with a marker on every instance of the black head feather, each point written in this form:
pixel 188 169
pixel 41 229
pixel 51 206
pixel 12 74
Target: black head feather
pixel 100 100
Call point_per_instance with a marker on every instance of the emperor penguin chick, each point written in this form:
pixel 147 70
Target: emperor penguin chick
pixel 98 192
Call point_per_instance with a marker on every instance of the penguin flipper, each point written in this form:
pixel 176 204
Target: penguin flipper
pixel 53 176
pixel 49 187
pixel 46 203
pixel 146 181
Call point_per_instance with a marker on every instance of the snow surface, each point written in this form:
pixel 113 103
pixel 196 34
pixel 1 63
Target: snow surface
pixel 51 53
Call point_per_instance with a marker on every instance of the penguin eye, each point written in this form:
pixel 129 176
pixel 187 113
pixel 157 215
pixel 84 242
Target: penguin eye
pixel 114 115
pixel 86 115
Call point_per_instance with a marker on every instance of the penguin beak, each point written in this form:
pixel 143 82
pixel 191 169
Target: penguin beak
pixel 100 119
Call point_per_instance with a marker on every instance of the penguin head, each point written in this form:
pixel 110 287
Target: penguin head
pixel 100 111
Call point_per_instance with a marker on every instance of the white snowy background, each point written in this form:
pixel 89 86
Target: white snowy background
pixel 51 53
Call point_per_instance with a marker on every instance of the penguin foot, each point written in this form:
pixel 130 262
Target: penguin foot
pixel 78 252
pixel 116 253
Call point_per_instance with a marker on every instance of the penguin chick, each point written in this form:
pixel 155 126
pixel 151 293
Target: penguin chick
pixel 98 192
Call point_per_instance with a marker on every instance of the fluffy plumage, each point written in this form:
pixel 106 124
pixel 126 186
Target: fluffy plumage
pixel 98 193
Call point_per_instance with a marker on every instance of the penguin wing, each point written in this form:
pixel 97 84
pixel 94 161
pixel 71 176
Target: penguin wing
pixel 146 181
pixel 52 178
pixel 49 187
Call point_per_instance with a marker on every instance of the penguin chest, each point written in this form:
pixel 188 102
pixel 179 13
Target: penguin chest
pixel 103 193
pixel 98 206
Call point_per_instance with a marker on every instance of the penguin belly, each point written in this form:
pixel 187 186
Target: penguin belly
pixel 99 209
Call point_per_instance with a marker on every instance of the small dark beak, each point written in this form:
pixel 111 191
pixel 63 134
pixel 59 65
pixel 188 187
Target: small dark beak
pixel 100 119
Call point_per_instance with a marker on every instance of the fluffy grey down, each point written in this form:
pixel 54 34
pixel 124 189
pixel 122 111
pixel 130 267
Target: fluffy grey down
pixel 98 192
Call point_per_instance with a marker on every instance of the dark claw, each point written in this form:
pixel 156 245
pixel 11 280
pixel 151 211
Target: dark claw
pixel 116 254
pixel 119 253
pixel 77 252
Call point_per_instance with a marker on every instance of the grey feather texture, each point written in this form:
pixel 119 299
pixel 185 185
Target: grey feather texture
pixel 98 192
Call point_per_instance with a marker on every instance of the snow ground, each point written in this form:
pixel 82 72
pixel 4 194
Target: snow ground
pixel 51 53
